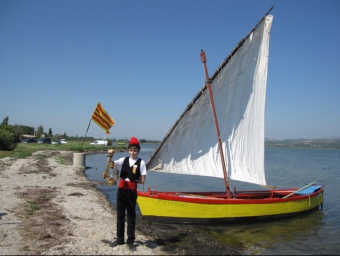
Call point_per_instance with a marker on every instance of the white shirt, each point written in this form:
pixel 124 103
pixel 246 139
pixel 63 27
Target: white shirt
pixel 131 163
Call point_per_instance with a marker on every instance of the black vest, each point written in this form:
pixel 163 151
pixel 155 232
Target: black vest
pixel 126 171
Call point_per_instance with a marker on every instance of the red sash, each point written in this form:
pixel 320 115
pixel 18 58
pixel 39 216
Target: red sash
pixel 127 184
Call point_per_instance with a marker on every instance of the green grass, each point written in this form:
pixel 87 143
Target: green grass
pixel 33 206
pixel 59 159
pixel 25 150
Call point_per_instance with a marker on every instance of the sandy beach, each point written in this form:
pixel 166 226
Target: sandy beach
pixel 49 207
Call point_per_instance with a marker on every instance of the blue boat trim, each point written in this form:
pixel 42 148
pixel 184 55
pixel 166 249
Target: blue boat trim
pixel 310 190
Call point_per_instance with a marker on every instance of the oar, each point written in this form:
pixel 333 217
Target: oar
pixel 300 189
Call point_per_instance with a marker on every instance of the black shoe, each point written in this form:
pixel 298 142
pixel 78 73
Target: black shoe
pixel 131 247
pixel 115 243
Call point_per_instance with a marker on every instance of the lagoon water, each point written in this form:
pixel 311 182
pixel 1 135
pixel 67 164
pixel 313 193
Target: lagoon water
pixel 316 233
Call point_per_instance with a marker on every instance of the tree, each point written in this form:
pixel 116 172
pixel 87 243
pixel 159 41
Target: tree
pixel 7 140
pixel 5 126
pixel 20 130
pixel 5 121
pixel 50 132
pixel 39 131
pixel 7 136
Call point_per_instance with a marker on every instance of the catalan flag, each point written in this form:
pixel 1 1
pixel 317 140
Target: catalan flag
pixel 102 118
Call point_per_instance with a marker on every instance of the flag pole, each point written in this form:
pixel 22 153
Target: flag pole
pixel 85 134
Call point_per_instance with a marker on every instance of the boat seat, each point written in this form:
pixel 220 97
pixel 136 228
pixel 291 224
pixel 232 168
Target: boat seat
pixel 309 190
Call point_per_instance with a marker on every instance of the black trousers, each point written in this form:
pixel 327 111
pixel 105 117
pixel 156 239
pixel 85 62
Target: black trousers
pixel 126 200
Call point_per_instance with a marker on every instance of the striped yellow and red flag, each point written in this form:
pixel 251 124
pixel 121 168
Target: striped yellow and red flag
pixel 102 118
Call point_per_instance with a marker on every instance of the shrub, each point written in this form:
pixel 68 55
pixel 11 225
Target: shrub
pixel 7 140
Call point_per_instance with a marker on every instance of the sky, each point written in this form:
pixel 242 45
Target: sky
pixel 141 60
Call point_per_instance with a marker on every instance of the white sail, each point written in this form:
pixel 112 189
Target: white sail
pixel 239 91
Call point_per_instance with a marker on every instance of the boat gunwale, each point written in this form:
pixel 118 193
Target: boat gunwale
pixel 203 197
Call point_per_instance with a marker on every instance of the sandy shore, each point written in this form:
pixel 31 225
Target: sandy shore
pixel 47 206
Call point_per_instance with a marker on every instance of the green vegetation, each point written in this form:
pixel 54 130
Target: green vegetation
pixel 59 159
pixel 7 140
pixel 7 134
pixel 33 206
pixel 12 135
pixel 26 149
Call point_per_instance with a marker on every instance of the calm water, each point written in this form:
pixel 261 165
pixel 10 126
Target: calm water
pixel 315 233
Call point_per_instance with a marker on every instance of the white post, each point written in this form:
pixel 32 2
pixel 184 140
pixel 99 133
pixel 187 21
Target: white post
pixel 79 160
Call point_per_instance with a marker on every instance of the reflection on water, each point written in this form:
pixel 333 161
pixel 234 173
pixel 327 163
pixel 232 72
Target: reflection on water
pixel 257 237
pixel 315 233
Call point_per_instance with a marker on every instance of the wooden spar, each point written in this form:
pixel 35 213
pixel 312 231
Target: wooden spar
pixel 208 82
pixel 238 46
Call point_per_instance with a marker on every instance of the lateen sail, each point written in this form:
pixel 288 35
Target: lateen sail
pixel 239 91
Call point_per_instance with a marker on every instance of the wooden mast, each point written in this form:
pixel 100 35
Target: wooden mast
pixel 208 83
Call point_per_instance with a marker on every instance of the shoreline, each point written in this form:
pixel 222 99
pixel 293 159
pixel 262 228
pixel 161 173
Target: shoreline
pixel 49 207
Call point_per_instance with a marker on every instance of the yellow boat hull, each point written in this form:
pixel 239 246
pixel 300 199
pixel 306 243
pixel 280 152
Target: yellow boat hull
pixel 214 206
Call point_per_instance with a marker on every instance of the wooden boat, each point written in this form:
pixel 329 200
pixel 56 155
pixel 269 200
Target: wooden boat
pixel 215 207
pixel 221 134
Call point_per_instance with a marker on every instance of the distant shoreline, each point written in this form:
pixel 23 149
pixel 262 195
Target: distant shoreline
pixel 304 143
pixel 300 147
